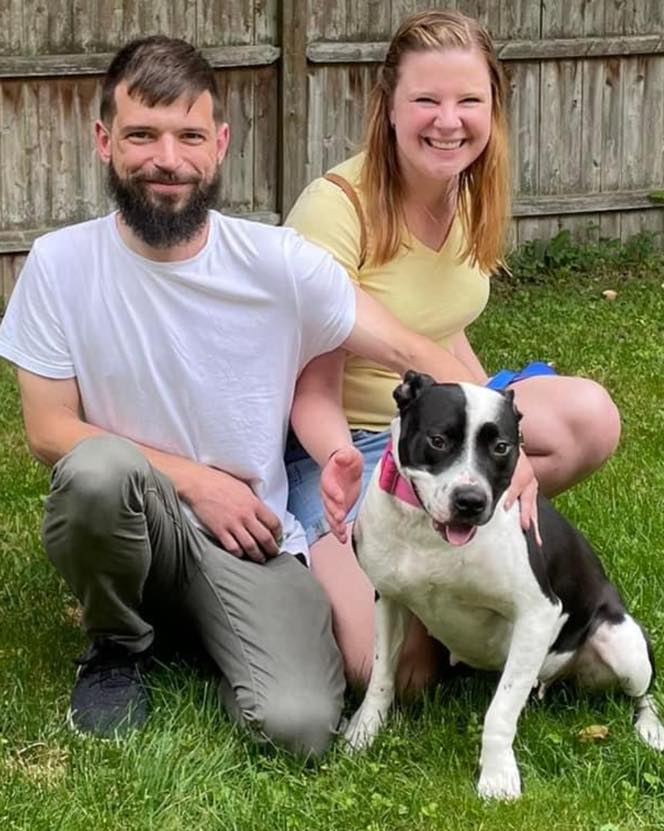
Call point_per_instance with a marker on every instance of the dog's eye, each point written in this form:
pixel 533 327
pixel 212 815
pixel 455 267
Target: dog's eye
pixel 501 448
pixel 438 442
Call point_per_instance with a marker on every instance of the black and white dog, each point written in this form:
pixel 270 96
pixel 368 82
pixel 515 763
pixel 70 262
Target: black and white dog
pixel 434 539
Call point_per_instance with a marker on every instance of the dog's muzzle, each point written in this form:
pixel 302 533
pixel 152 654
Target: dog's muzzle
pixel 468 506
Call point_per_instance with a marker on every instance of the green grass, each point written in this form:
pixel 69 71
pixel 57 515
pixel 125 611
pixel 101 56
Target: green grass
pixel 189 769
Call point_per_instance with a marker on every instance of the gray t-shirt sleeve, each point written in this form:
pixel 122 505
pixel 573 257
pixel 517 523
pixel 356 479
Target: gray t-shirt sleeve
pixel 325 298
pixel 31 334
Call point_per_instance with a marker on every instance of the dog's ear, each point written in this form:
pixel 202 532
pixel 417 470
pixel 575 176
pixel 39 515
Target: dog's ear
pixel 509 395
pixel 412 385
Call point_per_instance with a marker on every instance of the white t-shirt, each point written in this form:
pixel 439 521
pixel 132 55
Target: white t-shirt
pixel 199 357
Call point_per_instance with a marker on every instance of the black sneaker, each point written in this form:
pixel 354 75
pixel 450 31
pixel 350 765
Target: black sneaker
pixel 109 695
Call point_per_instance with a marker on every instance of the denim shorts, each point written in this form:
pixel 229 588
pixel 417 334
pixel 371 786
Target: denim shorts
pixel 304 500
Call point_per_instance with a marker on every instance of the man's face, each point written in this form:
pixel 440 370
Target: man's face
pixel 163 165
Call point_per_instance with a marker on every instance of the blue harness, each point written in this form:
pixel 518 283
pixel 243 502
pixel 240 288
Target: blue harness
pixel 504 377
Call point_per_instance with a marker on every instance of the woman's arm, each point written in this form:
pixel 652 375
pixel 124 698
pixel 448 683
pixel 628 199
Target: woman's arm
pixel 466 354
pixel 317 416
pixel 318 420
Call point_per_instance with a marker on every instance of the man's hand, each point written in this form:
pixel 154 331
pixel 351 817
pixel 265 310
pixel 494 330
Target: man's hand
pixel 241 522
pixel 226 505
pixel 524 487
pixel 340 483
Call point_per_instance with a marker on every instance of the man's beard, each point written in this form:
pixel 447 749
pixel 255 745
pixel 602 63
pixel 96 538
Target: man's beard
pixel 155 217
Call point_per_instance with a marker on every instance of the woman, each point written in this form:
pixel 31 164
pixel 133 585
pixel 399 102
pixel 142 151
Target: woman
pixel 418 220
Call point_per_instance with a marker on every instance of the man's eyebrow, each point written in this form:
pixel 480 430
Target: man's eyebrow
pixel 131 128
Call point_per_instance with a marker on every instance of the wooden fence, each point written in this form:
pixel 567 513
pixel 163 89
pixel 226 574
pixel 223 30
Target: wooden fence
pixel 586 103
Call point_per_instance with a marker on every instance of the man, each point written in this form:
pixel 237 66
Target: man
pixel 157 351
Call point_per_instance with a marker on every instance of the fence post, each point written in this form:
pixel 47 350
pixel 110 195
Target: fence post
pixel 293 94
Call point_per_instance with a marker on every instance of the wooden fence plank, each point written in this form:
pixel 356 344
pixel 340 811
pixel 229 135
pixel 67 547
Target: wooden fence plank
pixel 612 117
pixel 10 268
pixel 580 203
pixel 519 20
pixel 325 21
pixel 524 123
pixel 634 169
pixel 266 159
pixel 512 50
pixel 23 66
pixel 266 21
pixel 404 8
pixel 11 26
pixel 238 102
pixel 337 106
pixel 559 149
pixel 225 22
pixel 292 162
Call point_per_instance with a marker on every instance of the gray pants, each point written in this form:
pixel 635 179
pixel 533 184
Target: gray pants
pixel 115 530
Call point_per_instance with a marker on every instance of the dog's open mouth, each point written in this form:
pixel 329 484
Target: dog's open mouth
pixel 455 533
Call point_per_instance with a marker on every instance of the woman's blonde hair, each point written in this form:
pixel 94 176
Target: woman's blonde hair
pixel 483 187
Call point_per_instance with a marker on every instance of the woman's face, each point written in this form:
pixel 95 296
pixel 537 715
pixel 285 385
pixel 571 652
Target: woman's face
pixel 441 114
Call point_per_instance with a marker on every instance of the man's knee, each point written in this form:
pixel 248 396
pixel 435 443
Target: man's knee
pixel 94 479
pixel 302 723
pixel 90 487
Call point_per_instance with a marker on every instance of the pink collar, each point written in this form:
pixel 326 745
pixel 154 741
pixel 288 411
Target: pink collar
pixel 392 481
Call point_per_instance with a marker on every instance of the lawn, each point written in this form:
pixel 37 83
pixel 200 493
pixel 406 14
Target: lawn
pixel 189 769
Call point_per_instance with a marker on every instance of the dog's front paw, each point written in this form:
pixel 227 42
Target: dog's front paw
pixel 363 728
pixel 648 724
pixel 499 777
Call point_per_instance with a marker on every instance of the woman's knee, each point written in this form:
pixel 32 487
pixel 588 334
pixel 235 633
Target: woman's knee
pixel 594 421
pixel 351 595
pixel 571 427
pixel 422 661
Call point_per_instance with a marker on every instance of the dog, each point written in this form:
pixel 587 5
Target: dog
pixel 435 540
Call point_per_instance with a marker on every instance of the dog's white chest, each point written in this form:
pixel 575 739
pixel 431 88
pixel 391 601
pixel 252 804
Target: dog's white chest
pixel 467 597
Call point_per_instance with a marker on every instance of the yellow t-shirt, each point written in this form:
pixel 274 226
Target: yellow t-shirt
pixel 431 292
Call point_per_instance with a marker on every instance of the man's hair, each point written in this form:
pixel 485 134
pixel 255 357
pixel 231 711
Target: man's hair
pixel 483 187
pixel 158 70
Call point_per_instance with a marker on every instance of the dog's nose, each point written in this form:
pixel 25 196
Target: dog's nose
pixel 469 501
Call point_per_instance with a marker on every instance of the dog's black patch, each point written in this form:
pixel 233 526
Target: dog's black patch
pixel 413 383
pixel 353 542
pixel 651 656
pixel 497 449
pixel 433 427
pixel 566 567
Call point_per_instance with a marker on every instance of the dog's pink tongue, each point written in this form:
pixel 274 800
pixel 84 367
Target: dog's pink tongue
pixel 457 533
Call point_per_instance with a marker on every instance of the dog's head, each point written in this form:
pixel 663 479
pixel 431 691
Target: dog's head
pixel 457 445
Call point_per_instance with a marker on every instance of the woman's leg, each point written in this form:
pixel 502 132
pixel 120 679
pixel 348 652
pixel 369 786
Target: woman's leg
pixel 570 426
pixel 335 566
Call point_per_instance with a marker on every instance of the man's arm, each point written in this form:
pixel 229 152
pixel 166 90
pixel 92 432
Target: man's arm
pixel 226 505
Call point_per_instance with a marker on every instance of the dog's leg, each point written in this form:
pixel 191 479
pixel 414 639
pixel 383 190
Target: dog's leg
pixel 531 638
pixel 624 649
pixel 391 626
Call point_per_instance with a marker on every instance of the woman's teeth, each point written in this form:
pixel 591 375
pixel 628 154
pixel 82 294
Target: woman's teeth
pixel 445 145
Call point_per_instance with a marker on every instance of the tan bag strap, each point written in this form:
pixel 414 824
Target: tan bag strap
pixel 351 193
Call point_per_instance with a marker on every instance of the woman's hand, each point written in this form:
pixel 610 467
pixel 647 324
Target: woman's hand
pixel 340 483
pixel 524 487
